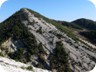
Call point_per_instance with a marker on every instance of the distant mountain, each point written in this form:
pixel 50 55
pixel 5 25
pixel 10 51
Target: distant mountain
pixel 83 27
pixel 90 27
pixel 29 37
pixel 85 23
pixel 70 25
pixel 81 23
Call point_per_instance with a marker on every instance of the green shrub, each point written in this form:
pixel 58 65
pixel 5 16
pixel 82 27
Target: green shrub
pixel 59 59
pixel 39 30
pixel 29 68
pixel 41 49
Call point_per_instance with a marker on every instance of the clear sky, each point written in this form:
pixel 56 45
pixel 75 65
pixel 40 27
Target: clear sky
pixel 67 10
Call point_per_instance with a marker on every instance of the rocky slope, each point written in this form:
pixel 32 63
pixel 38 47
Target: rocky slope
pixel 9 65
pixel 32 38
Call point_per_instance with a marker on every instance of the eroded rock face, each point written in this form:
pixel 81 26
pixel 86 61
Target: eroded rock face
pixel 80 57
pixel 78 52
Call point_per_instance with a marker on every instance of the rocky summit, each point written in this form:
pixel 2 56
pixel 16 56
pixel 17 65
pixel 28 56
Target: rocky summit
pixel 33 39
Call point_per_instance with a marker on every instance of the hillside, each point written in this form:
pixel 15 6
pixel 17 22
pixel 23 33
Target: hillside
pixel 80 24
pixel 82 28
pixel 85 23
pixel 29 37
pixel 90 35
pixel 70 25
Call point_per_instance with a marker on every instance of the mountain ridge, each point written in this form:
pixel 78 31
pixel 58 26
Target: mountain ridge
pixel 32 38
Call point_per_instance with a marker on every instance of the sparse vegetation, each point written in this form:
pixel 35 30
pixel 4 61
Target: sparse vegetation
pixel 41 49
pixel 59 26
pixel 29 68
pixel 90 35
pixel 18 55
pixel 59 36
pixel 13 28
pixel 70 25
pixel 39 30
pixel 1 54
pixel 59 59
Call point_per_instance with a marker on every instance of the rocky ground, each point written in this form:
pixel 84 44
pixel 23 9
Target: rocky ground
pixel 9 65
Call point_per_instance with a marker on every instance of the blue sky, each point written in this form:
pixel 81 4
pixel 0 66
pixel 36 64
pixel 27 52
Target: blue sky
pixel 67 10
